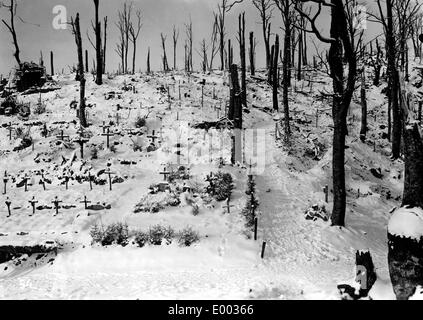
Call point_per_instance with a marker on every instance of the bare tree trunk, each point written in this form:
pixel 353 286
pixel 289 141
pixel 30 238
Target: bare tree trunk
pixel 287 69
pixel 99 74
pixel 252 54
pixel 86 62
pixel 175 43
pixel 77 32
pixel 105 44
pixel 11 26
pixel 52 62
pixel 148 62
pixel 363 131
pixel 275 79
pixel 393 81
pixel 300 54
pixel 235 108
pixel 164 57
pixel 241 34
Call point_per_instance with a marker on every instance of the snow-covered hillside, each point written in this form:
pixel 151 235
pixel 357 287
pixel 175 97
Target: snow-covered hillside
pixel 304 259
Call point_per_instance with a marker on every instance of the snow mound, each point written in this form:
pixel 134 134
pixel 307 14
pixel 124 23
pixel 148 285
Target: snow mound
pixel 418 295
pixel 407 222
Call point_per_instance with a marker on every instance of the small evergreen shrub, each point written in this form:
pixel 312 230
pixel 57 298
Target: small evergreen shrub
pixel 158 234
pixel 141 238
pixel 188 237
pixel 140 122
pixel 116 233
pixel 250 209
pixel 220 185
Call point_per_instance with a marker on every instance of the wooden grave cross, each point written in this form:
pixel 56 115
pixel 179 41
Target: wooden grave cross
pixel 33 202
pixel 26 178
pixel 153 137
pixel 56 203
pixel 85 202
pixel 67 177
pixel 81 141
pixel 104 126
pixel 109 173
pixel 326 191
pixel 108 135
pixel 8 204
pixel 10 128
pixel 228 205
pixel 90 179
pixel 165 174
pixel 62 136
pixel 43 182
pixel 5 180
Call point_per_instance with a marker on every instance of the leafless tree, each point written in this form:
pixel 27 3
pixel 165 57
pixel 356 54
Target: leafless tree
pixel 222 8
pixel 105 43
pixel 341 50
pixel 98 46
pixel 134 33
pixel 12 7
pixel 265 8
pixel 189 45
pixel 124 26
pixel 76 30
pixel 203 54
pixel 175 37
pixel 286 8
pixel 242 50
pixel 164 57
pixel 215 47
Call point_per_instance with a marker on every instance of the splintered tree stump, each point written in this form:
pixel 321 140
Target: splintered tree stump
pixel 365 276
pixel 365 272
pixel 405 255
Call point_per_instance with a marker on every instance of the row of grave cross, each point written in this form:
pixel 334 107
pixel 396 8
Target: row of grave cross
pixel 56 202
pixel 67 177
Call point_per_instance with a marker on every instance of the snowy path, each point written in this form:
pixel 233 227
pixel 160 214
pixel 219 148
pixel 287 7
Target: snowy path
pixel 295 246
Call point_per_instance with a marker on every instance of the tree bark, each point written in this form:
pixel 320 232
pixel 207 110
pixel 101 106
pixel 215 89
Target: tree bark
pixel 275 81
pixel 52 62
pixel 99 73
pixel 78 40
pixel 363 131
pixel 393 81
pixel 105 45
pixel 286 70
pixel 243 58
pixel 252 54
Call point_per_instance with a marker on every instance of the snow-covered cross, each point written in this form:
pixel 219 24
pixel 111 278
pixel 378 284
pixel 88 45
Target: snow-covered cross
pixel 56 203
pixel 26 178
pixel 90 180
pixel 153 137
pixel 165 174
pixel 85 202
pixel 43 182
pixel 81 141
pixel 228 205
pixel 109 173
pixel 62 136
pixel 33 202
pixel 8 204
pixel 108 135
pixel 10 128
pixel 104 126
pixel 5 180
pixel 326 191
